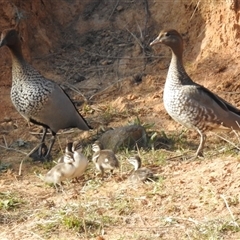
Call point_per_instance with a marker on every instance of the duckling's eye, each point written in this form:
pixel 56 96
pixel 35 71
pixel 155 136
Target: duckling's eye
pixel 167 34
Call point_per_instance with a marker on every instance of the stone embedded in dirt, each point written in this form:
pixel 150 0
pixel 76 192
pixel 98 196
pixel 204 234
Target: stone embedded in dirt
pixel 119 8
pixel 231 4
pixel 78 78
pixel 127 136
pixel 7 119
pixel 20 142
pixel 6 127
pixel 104 62
pixel 137 78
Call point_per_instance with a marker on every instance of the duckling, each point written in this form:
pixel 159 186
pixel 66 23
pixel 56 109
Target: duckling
pixel 72 165
pixel 104 159
pixel 80 161
pixel 61 172
pixel 140 173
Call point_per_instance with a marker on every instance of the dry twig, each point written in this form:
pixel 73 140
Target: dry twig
pixel 233 144
pixel 115 6
pixel 75 90
pixel 229 210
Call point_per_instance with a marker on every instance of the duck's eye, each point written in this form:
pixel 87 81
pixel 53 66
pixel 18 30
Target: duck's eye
pixel 167 34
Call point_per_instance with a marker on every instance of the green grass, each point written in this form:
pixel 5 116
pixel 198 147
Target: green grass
pixel 10 201
pixel 215 230
pixel 4 167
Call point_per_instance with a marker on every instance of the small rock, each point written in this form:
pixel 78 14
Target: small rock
pixel 78 78
pixel 131 96
pixel 119 8
pixel 232 4
pixel 20 142
pixel 7 119
pixel 127 136
pixel 137 78
pixel 104 62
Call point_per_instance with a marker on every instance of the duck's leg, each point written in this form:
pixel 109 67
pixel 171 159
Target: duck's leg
pixel 53 138
pixel 42 141
pixel 199 152
pixel 40 151
pixel 111 173
pixel 59 187
pixel 102 172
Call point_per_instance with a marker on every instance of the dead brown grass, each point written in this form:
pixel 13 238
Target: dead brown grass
pixel 190 200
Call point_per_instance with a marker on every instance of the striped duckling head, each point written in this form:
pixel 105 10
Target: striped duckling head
pixel 135 161
pixel 96 147
pixel 68 155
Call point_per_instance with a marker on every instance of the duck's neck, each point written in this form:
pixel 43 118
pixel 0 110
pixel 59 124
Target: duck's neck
pixel 176 72
pixel 136 165
pixel 16 53
pixel 18 62
pixel 96 149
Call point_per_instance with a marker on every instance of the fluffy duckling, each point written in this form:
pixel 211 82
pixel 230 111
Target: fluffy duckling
pixel 72 165
pixel 104 159
pixel 139 173
pixel 80 161
pixel 60 172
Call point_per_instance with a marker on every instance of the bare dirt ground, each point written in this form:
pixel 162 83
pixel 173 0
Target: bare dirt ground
pixel 99 51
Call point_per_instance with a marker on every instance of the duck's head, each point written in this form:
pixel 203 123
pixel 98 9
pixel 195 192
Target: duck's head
pixel 96 147
pixel 170 38
pixel 9 37
pixel 77 146
pixel 135 161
